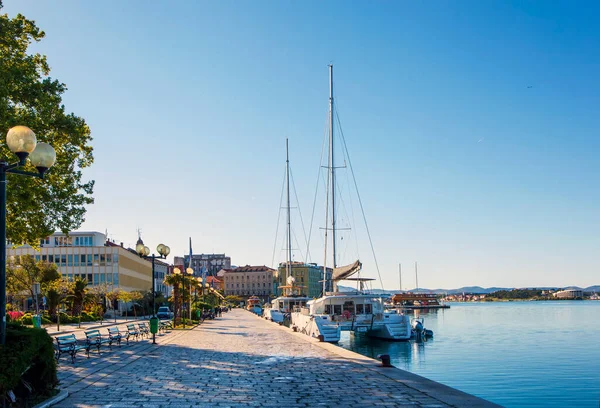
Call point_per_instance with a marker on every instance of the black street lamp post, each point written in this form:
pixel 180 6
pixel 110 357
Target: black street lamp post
pixel 190 272
pixel 144 252
pixel 22 142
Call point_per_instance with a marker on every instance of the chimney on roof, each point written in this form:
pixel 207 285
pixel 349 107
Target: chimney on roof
pixel 121 245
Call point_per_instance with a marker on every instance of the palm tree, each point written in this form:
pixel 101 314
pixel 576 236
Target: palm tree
pixel 79 297
pixel 176 280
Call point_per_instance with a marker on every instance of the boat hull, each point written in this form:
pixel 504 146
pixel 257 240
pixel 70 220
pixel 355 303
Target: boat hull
pixel 316 326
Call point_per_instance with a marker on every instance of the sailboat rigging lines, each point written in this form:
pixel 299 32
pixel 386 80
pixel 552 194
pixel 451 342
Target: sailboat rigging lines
pixel 333 197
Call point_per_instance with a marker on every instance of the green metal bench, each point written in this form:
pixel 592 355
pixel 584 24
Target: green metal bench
pixel 68 344
pixel 115 335
pixel 95 339
pixel 132 332
pixel 165 325
pixel 144 329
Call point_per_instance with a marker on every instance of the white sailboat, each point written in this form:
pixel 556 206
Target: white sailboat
pixel 281 307
pixel 334 312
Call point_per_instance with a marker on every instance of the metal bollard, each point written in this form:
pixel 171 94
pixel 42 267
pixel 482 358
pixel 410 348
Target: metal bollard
pixel 385 360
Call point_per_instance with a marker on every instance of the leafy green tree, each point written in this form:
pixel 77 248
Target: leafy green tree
pixel 99 292
pixel 124 297
pixel 135 297
pixel 112 296
pixel 30 97
pixel 234 300
pixel 23 272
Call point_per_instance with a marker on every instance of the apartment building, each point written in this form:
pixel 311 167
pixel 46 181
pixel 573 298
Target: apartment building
pixel 249 281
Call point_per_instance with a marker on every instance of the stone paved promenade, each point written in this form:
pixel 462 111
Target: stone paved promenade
pixel 241 360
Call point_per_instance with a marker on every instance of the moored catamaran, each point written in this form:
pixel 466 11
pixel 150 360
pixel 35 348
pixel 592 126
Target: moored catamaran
pixel 360 312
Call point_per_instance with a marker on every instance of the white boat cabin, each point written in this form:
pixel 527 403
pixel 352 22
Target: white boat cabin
pixel 346 305
pixel 287 304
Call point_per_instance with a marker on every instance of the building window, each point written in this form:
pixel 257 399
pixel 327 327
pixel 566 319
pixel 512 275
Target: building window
pixel 115 279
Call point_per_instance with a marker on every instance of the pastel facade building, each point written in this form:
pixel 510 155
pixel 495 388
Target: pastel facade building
pixel 308 278
pixel 249 281
pixel 213 263
pixel 87 255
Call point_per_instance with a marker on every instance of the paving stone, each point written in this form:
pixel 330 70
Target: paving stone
pixel 238 360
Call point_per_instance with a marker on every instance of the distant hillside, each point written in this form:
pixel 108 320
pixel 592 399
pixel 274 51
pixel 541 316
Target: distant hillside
pixel 469 289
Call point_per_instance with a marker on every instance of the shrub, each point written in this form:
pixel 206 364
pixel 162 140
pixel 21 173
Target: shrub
pixel 27 360
pixel 14 316
pixel 88 317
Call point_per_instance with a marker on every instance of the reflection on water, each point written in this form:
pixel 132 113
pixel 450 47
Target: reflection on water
pixel 517 354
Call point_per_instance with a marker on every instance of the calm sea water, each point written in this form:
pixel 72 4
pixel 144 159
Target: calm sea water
pixel 516 354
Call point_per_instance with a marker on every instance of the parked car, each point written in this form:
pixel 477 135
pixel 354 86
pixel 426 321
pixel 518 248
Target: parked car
pixel 164 313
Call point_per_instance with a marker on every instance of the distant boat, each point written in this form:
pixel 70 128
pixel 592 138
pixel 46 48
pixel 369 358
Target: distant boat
pixel 410 300
pixel 254 305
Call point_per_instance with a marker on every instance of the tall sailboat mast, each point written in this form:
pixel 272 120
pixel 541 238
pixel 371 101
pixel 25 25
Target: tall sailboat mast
pixel 416 277
pixel 400 274
pixel 289 217
pixel 332 162
pixel 330 188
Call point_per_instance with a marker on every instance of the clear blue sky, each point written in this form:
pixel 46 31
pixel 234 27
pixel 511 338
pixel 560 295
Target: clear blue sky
pixel 473 127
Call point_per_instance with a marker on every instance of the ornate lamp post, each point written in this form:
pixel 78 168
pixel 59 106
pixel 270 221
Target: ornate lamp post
pixel 177 272
pixel 22 142
pixel 190 272
pixel 144 252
